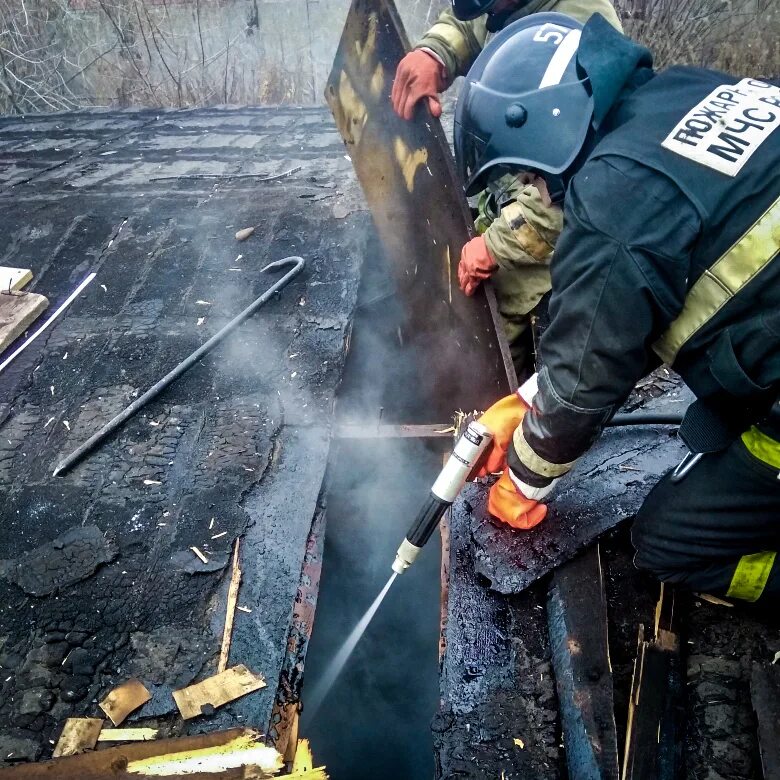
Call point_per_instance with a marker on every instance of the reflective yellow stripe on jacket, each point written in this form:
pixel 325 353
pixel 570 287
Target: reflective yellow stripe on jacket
pixel 743 261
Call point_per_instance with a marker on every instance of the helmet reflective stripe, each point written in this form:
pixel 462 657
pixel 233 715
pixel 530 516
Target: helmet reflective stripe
pixel 567 48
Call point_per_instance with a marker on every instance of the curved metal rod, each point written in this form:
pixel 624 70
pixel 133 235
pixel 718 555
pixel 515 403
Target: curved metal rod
pixel 157 388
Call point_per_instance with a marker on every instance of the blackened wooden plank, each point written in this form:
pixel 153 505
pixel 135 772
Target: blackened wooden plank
pixel 577 618
pixel 656 711
pixel 765 694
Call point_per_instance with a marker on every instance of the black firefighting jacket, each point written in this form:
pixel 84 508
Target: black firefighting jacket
pixel 669 252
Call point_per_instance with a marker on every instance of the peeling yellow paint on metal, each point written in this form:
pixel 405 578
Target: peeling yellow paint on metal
pixel 409 160
pixel 378 80
pixel 365 50
pixel 353 111
pixel 245 751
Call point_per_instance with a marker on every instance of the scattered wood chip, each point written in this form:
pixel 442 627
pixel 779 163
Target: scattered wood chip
pixel 203 303
pixel 242 235
pixel 201 320
pixel 219 535
pixel 215 691
pixel 714 600
pixel 199 554
pixel 249 611
pixel 66 424
pixel 78 735
pixel 152 482
pixel 230 610
pixel 128 735
pixel 519 742
pixel 776 658
pixel 124 699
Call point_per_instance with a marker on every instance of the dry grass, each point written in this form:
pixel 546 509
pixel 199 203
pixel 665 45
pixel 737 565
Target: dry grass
pixel 737 36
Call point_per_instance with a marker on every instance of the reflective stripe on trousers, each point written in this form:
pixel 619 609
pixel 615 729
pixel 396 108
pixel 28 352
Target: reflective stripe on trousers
pixel 752 572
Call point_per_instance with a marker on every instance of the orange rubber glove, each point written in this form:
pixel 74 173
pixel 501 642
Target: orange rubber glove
pixel 501 420
pixel 507 503
pixel 475 265
pixel 419 75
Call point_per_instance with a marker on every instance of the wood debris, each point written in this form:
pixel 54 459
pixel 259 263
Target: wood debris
pixel 303 763
pixel 128 735
pixel 78 735
pixel 199 554
pixel 227 633
pixel 124 699
pixel 243 234
pixel 215 691
pixel 14 278
pixel 18 310
pixel 236 753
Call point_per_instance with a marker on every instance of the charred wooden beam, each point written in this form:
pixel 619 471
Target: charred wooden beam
pixel 577 618
pixel 656 710
pixel 765 694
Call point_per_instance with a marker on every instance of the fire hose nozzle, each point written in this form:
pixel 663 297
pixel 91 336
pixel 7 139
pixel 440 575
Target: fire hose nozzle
pixel 405 557
pixel 445 490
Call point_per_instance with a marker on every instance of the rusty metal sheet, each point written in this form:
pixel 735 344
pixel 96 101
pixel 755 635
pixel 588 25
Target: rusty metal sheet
pixel 408 179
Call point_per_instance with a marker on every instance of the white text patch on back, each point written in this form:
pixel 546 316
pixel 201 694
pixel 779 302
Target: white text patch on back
pixel 725 128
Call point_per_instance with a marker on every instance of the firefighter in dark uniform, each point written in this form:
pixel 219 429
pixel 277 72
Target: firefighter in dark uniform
pixel 669 252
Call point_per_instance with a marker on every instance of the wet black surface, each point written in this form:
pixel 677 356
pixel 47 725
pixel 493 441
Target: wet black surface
pixel 236 447
pixel 607 485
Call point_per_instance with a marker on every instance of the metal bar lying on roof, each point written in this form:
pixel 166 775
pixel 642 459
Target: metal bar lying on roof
pixel 656 709
pixel 577 618
pixel 188 362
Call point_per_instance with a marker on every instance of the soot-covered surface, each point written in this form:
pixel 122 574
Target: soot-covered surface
pixel 98 582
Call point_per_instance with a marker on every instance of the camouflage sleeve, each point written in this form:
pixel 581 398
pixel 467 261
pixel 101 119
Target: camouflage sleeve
pixel 521 241
pixel 455 43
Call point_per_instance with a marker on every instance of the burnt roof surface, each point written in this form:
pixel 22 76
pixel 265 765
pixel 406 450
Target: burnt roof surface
pixel 108 587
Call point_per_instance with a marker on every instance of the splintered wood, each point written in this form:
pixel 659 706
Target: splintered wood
pixel 78 735
pixel 124 699
pixel 17 312
pixel 227 633
pixel 217 690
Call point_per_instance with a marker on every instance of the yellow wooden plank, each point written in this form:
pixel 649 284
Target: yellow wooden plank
pixel 128 735
pixel 14 278
pixel 78 735
pixel 215 691
pixel 17 312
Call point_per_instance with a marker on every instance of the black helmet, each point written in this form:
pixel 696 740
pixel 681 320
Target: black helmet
pixel 524 105
pixel 471 9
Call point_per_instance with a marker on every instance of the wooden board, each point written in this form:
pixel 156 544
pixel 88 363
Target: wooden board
pixel 128 735
pixel 231 755
pixel 656 709
pixel 217 690
pixel 765 695
pixel 14 278
pixel 124 699
pixel 407 174
pixel 577 617
pixel 17 312
pixel 78 735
